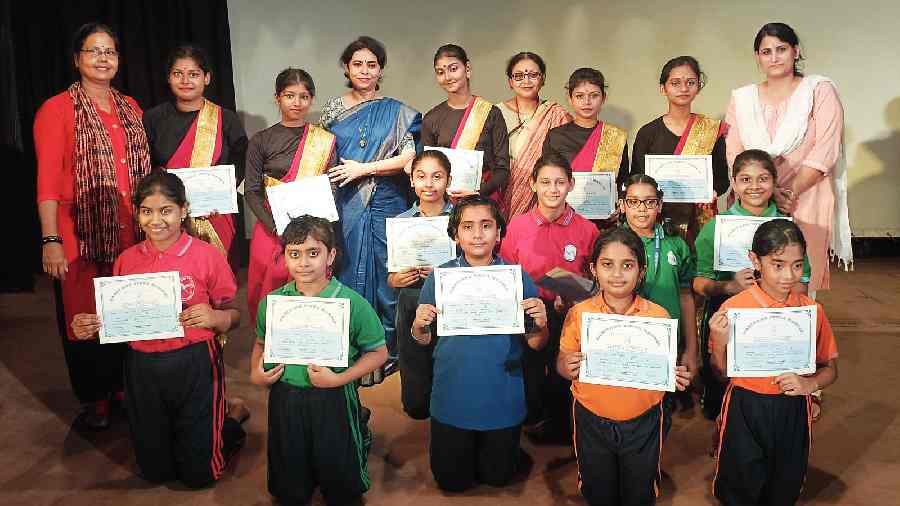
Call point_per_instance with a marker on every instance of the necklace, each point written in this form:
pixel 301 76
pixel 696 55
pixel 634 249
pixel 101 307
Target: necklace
pixel 519 116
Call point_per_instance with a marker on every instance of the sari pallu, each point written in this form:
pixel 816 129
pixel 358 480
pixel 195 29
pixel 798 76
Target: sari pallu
pixel 267 270
pixel 518 197
pixel 469 131
pixel 201 147
pixel 372 131
pixel 602 152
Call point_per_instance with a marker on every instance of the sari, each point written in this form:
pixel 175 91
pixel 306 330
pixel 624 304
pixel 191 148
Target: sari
pixel 602 152
pixel 201 147
pixel 267 270
pixel 371 131
pixel 525 149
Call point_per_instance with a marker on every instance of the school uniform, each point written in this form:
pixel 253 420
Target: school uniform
pixel 618 430
pixel 765 435
pixel 539 246
pixel 316 436
pixel 713 389
pixel 415 361
pixel 175 388
pixel 477 401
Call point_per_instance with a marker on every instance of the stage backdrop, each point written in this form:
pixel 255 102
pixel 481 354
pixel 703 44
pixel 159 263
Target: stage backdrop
pixel 628 41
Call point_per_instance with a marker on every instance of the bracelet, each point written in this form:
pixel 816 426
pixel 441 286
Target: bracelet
pixel 47 239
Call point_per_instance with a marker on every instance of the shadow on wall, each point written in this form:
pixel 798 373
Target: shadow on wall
pixel 866 196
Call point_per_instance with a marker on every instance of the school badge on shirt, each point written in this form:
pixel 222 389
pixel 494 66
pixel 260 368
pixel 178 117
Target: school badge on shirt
pixel 569 252
pixel 673 260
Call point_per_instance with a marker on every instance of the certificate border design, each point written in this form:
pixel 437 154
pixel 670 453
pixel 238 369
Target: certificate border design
pixel 395 226
pixel 736 315
pixel 612 193
pixel 232 184
pixel 650 162
pixel 453 272
pixel 274 303
pixel 721 236
pixel 101 284
pixel 670 327
pixel 332 214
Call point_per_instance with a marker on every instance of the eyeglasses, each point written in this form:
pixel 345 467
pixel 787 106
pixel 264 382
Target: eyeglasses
pixel 520 76
pixel 636 203
pixel 97 52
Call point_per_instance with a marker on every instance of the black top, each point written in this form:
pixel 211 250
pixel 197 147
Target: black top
pixel 166 127
pixel 567 141
pixel 655 138
pixel 439 126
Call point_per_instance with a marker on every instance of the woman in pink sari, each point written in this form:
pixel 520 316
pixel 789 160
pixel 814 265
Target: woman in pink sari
pixel 528 119
pixel 799 120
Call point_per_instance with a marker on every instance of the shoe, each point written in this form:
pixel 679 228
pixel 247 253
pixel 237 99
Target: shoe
pixel 546 432
pixel 235 408
pixel 93 417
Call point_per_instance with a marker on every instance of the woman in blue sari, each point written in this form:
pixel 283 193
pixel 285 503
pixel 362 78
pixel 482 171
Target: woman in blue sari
pixel 376 138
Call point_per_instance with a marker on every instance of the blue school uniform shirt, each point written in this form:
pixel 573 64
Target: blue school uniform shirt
pixel 473 387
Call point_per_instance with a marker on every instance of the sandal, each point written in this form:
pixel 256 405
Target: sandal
pixel 815 407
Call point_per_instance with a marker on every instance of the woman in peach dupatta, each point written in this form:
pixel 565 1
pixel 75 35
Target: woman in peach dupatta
pixel 528 120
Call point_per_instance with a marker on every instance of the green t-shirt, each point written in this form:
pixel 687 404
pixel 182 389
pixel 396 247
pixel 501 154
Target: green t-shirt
pixel 366 331
pixel 673 270
pixel 706 237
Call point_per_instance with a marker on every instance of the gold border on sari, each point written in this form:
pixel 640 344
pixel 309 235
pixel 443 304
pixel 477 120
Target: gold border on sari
pixel 206 135
pixel 468 139
pixel 609 149
pixel 703 135
pixel 315 156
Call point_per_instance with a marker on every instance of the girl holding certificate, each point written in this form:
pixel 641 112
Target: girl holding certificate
pixel 671 266
pixel 286 151
pixel 181 427
pixel 765 429
pixel 681 132
pixel 194 132
pixel 430 177
pixel 91 154
pixel 376 138
pixel 590 145
pixel 618 430
pixel 316 435
pixel 477 397
pixel 467 121
pixel 799 121
pixel 549 236
pixel 528 119
pixel 752 183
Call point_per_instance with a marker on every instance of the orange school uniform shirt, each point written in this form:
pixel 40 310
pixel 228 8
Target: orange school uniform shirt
pixel 612 402
pixel 756 298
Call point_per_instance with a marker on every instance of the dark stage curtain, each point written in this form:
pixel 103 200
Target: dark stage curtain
pixel 36 63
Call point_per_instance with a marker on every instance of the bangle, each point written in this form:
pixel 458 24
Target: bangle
pixel 47 239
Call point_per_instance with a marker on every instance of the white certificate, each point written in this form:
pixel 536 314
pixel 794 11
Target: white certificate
pixel 682 178
pixel 769 342
pixel 594 194
pixel 308 195
pixel 418 242
pixel 209 189
pixel 138 307
pixel 629 351
pixel 307 330
pixel 465 168
pixel 733 240
pixel 479 300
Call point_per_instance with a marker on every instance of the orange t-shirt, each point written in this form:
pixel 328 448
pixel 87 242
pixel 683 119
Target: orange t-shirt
pixel 615 403
pixel 754 298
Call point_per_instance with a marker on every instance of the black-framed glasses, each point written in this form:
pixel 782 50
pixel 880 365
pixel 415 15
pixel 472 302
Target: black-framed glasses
pixel 97 52
pixel 519 76
pixel 648 203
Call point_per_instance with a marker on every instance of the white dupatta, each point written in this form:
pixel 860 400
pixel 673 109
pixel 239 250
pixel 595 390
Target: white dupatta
pixel 789 135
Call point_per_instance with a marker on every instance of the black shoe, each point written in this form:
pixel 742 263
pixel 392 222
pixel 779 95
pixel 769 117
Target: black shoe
pixel 89 419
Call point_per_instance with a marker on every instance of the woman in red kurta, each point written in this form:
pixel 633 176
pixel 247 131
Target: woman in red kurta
pixel 91 152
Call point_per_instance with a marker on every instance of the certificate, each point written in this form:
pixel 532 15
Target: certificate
pixel 479 300
pixel 594 194
pixel 629 351
pixel 309 195
pixel 418 242
pixel 465 168
pixel 138 307
pixel 682 178
pixel 209 189
pixel 733 240
pixel 307 330
pixel 769 342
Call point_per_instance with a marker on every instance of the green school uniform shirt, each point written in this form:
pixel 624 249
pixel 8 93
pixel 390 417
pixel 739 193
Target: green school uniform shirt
pixel 366 331
pixel 666 276
pixel 707 235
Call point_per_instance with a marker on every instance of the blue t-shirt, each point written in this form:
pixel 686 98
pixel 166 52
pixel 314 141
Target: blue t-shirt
pixel 474 385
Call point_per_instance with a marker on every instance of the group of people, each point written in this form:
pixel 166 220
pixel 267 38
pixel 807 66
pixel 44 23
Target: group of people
pixel 108 207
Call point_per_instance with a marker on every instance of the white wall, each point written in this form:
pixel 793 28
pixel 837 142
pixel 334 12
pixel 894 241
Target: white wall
pixel 856 45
